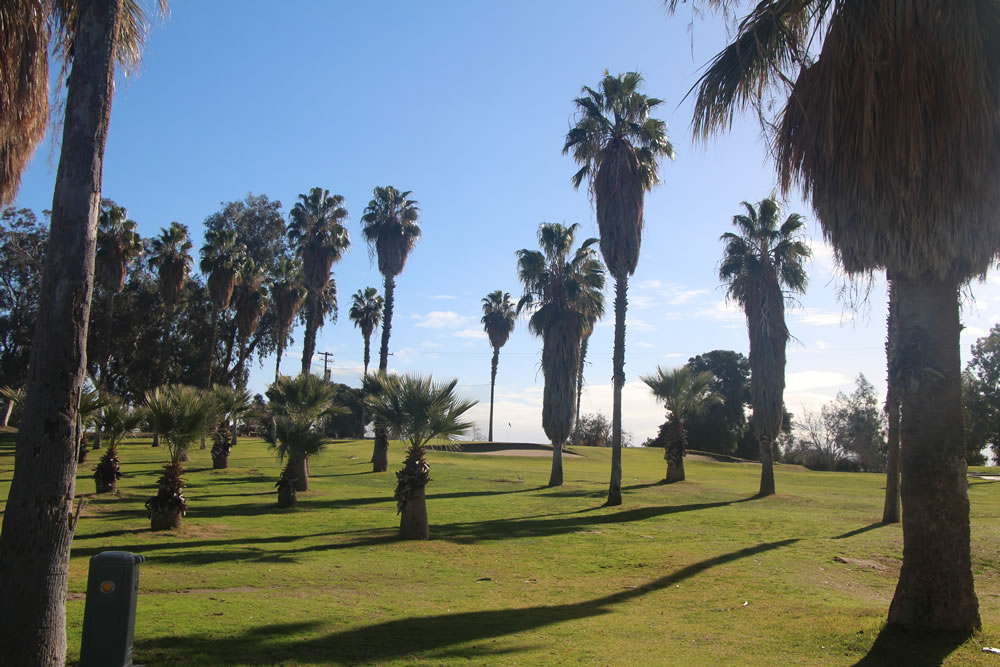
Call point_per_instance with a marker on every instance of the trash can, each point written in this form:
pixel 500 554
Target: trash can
pixel 109 615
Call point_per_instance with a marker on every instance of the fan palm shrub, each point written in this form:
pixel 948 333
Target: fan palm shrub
pixel 561 286
pixel 499 314
pixel 391 228
pixel 232 403
pixel 299 406
pixel 761 267
pixel 415 409
pixel 685 394
pixel 115 421
pixel 619 145
pixel 15 399
pixel 90 406
pixel 180 414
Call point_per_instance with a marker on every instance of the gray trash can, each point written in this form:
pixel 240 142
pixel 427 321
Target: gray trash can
pixel 109 617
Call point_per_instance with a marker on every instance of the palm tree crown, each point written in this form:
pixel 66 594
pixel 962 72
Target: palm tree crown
pixel 390 227
pixel 221 260
pixel 682 391
pixel 499 314
pixel 118 245
pixel 317 232
pixel 170 257
pixel 366 313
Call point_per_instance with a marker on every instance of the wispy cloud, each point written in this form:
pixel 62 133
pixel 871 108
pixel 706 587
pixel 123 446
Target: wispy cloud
pixel 721 310
pixel 441 319
pixel 444 297
pixel 649 293
pixel 470 332
pixel 817 317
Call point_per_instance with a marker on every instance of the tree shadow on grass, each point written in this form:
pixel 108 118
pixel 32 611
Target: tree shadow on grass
pixel 424 638
pixel 865 529
pixel 896 646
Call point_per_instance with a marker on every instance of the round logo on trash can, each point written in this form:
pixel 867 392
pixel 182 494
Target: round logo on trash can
pixel 107 587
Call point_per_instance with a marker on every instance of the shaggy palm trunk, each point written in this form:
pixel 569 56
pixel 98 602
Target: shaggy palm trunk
pixel 300 468
pixel 309 340
pixel 935 588
pixel 765 309
pixel 890 512
pixel 556 476
pixel 674 452
pixel 618 361
pixel 380 453
pixel 493 385
pixel 38 522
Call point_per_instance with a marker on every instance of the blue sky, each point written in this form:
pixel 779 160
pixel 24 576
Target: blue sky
pixel 467 104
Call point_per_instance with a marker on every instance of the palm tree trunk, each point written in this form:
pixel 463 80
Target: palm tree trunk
pixel 618 377
pixel 277 364
pixel 380 454
pixel 935 589
pixel 584 344
pixel 493 384
pixel 674 452
pixel 211 346
pixel 368 348
pixel 556 477
pixel 364 420
pixel 890 512
pixel 38 523
pixel 300 468
pixel 309 341
pixel 766 466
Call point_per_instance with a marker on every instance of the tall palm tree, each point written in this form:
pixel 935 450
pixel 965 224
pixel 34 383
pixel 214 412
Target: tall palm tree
pixel 319 237
pixel 416 409
pixel 366 313
pixel 391 229
pixel 619 146
pixel 251 303
pixel 499 314
pixel 890 127
pixel 685 394
pixel 118 245
pixel 221 260
pixel 592 316
pixel 36 546
pixel 758 264
pixel 560 287
pixel 288 292
pixel 170 257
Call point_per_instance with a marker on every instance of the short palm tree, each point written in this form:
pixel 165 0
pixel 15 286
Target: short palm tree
pixel 288 292
pixel 118 246
pixel 619 145
pixel 416 409
pixel 685 394
pixel 560 287
pixel 170 257
pixel 15 399
pixel 499 314
pixel 890 128
pixel 233 403
pixel 317 233
pixel 761 265
pixel 366 313
pixel 89 407
pixel 299 406
pixel 180 414
pixel 115 422
pixel 391 230
pixel 222 257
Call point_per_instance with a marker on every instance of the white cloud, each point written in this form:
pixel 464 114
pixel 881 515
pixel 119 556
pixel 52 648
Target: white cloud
pixel 817 317
pixel 823 256
pixel 441 319
pixel 720 310
pixel 649 284
pixel 470 332
pixel 638 325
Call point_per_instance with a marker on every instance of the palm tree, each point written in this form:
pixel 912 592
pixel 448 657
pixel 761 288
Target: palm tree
pixel 366 313
pixel 299 406
pixel 596 313
pixel 890 127
pixel 288 292
pixel 114 422
pixel 317 232
pixel 251 303
pixel 618 145
pixel 684 393
pixel 180 415
pixel 498 322
pixel 233 403
pixel 757 264
pixel 118 245
pixel 34 545
pixel 414 408
pixel 15 398
pixel 391 229
pixel 222 257
pixel 170 257
pixel 890 511
pixel 561 287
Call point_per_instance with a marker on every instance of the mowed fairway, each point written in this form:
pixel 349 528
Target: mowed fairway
pixel 696 573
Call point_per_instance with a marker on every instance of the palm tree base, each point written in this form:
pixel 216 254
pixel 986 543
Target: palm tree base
pixel 104 487
pixel 220 462
pixel 166 520
pixel 413 518
pixel 556 476
pixel 380 452
pixel 300 469
pixel 675 471
pixel 287 496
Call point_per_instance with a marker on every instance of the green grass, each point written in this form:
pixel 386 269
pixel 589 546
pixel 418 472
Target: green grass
pixel 694 573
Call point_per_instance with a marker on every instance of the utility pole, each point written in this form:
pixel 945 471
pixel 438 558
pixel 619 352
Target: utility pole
pixel 326 359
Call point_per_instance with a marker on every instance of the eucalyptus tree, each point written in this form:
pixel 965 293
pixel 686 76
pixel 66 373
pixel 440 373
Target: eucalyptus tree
pixel 761 267
pixel 560 288
pixel 317 233
pixel 391 228
pixel 34 544
pixel 170 257
pixel 618 145
pixel 890 128
pixel 684 393
pixel 222 257
pixel 118 246
pixel 366 313
pixel 499 314
pixel 288 292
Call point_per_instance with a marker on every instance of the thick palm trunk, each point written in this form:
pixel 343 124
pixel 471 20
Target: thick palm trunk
pixel 38 521
pixel 890 512
pixel 618 361
pixel 674 452
pixel 413 524
pixel 300 468
pixel 309 341
pixel 493 384
pixel 935 589
pixel 766 465
pixel 380 453
pixel 556 476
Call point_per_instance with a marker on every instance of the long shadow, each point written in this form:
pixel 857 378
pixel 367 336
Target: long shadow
pixel 858 531
pixel 426 638
pixel 895 646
